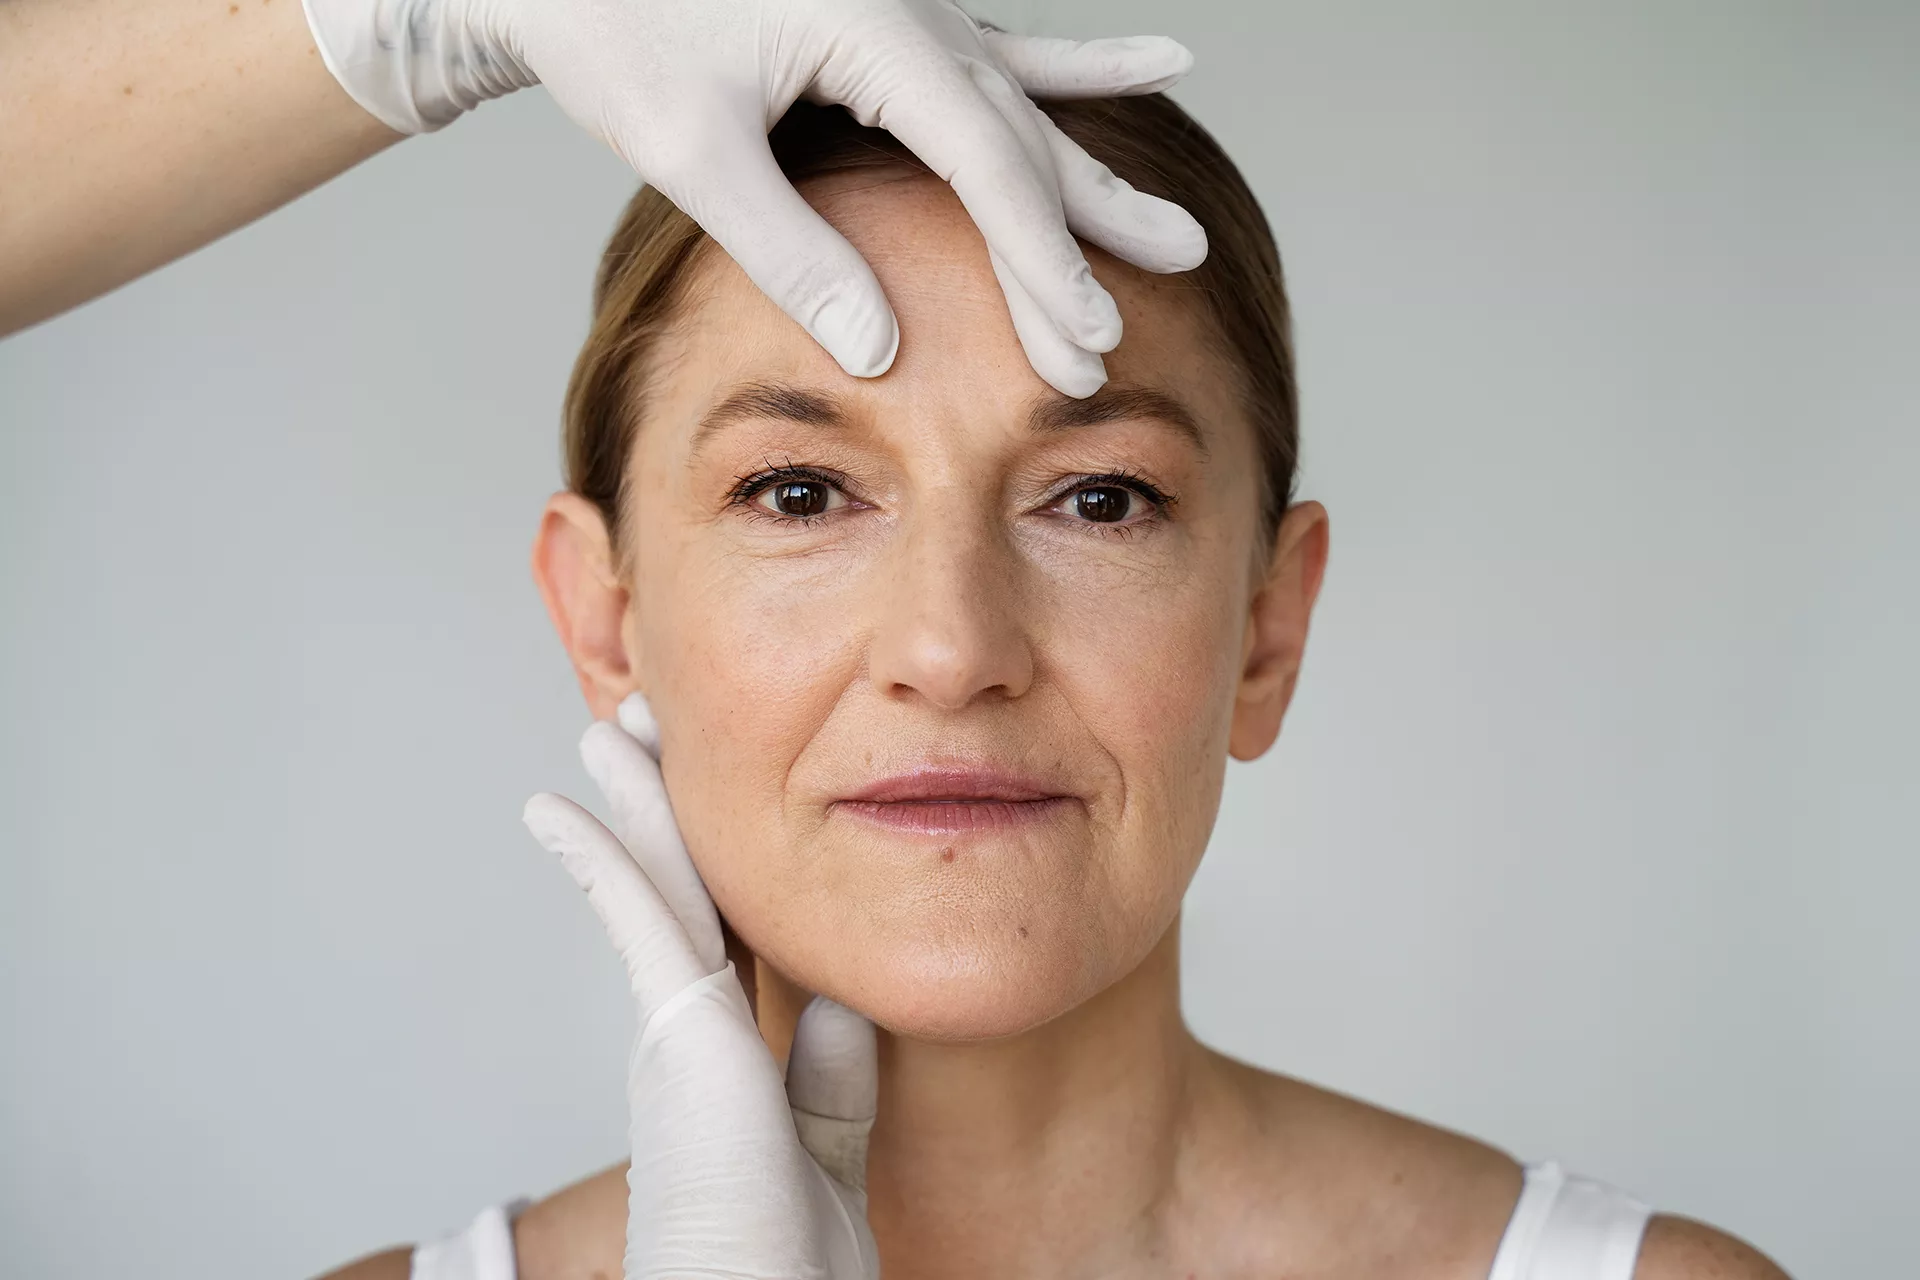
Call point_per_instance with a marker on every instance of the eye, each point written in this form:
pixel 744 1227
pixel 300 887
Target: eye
pixel 1104 504
pixel 1116 499
pixel 799 497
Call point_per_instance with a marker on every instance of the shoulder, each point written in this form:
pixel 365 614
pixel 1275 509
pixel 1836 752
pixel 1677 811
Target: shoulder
pixel 1347 1188
pixel 1682 1249
pixel 577 1233
pixel 390 1264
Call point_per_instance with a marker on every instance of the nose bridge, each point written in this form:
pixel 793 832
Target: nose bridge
pixel 949 622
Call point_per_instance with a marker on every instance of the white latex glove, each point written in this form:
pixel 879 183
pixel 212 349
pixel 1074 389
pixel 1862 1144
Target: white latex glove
pixel 735 1173
pixel 686 90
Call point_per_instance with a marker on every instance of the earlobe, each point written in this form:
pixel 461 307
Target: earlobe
pixel 575 569
pixel 1277 621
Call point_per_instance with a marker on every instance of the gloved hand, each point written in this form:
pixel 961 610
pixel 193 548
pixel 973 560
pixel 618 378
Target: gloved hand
pixel 686 90
pixel 734 1173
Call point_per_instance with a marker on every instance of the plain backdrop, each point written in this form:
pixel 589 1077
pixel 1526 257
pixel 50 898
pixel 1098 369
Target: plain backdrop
pixel 1592 830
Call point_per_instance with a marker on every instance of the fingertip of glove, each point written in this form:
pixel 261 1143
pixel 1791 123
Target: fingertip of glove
pixel 636 717
pixel 555 822
pixel 1170 240
pixel 1098 325
pixel 885 362
pixel 1084 376
pixel 544 817
pixel 601 738
pixel 831 1068
pixel 1179 58
pixel 862 339
pixel 1188 249
pixel 825 1011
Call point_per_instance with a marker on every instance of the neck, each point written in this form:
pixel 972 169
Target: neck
pixel 1051 1152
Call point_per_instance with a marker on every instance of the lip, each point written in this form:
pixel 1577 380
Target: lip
pixel 955 801
pixel 961 786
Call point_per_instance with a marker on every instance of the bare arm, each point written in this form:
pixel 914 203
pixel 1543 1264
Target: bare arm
pixel 392 1264
pixel 1682 1249
pixel 134 131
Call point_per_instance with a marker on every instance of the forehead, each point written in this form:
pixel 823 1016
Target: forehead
pixel 958 349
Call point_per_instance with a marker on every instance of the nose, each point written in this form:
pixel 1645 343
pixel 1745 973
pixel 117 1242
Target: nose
pixel 950 626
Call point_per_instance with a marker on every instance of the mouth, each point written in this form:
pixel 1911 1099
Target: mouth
pixel 949 802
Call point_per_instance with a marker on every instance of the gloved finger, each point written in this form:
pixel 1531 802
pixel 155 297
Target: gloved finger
pixel 636 717
pixel 1151 233
pixel 660 961
pixel 1050 67
pixel 833 1087
pixel 947 117
pixel 1069 369
pixel 642 819
pixel 732 186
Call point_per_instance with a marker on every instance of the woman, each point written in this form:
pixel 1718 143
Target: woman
pixel 942 671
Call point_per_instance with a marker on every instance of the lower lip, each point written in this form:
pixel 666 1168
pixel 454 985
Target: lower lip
pixel 956 817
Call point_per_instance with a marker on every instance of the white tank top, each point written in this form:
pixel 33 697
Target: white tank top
pixel 1562 1228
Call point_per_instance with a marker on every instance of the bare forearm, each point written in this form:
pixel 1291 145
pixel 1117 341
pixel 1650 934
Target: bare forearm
pixel 134 131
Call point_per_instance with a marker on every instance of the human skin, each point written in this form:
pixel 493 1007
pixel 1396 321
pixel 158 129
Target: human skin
pixel 951 611
pixel 147 128
pixel 1043 1109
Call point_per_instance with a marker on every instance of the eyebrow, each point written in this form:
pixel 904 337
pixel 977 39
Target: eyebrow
pixel 1116 402
pixel 1049 413
pixel 762 400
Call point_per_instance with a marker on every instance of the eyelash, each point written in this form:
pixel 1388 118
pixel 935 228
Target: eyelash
pixel 1159 499
pixel 751 485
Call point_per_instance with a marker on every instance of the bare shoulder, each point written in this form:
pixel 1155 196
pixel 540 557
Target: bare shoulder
pixel 1682 1249
pixel 577 1233
pixel 389 1264
pixel 1349 1188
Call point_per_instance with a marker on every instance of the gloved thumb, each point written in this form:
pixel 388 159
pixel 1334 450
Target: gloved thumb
pixel 833 1087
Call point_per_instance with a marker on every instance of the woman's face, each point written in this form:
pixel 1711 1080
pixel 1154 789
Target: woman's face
pixel 947 666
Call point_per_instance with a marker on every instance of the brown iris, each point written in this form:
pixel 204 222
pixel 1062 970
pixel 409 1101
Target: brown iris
pixel 1103 505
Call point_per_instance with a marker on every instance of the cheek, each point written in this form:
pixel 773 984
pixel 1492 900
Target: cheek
pixel 1146 659
pixel 1150 654
pixel 742 666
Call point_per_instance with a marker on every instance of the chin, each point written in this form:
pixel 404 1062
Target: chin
pixel 961 979
pixel 964 937
pixel 963 1008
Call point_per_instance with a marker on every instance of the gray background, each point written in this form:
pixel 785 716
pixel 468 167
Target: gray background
pixel 1591 832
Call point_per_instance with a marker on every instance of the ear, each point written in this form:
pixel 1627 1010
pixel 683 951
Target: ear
pixel 1277 629
pixel 574 566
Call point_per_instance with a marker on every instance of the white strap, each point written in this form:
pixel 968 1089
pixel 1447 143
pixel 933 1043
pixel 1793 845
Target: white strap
pixel 483 1251
pixel 1570 1228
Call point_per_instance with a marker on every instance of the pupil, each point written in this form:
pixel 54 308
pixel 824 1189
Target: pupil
pixel 801 498
pixel 1104 505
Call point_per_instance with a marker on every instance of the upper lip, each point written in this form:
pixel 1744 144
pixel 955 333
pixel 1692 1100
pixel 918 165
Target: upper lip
pixel 934 782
